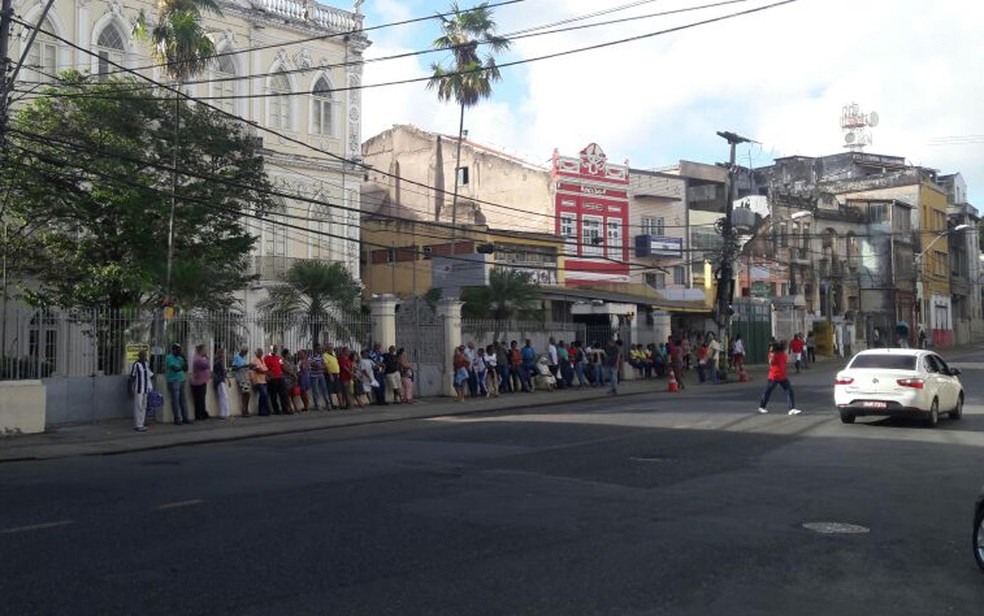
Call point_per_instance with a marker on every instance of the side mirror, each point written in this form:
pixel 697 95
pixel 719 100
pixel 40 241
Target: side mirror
pixel 954 371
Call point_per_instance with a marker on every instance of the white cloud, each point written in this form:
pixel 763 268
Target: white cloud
pixel 780 76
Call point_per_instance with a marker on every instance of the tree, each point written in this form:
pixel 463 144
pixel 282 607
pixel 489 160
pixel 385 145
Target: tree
pixel 182 45
pixel 313 295
pixel 90 178
pixel 469 77
pixel 510 295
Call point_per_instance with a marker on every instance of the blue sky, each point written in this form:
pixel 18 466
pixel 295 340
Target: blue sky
pixel 780 76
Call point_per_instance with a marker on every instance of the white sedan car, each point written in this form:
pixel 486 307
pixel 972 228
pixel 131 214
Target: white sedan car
pixel 903 382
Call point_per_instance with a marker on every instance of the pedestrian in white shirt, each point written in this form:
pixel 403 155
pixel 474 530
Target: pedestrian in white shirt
pixel 553 357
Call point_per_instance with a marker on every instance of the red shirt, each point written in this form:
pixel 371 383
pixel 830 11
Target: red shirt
pixel 344 369
pixel 796 345
pixel 274 366
pixel 777 366
pixel 515 357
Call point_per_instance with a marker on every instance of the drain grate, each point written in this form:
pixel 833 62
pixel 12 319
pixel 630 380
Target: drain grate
pixel 836 528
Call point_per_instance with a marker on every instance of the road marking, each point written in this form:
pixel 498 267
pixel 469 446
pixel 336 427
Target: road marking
pixel 967 365
pixel 24 529
pixel 836 528
pixel 177 504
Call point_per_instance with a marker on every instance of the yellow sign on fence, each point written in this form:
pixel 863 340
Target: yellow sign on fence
pixel 132 350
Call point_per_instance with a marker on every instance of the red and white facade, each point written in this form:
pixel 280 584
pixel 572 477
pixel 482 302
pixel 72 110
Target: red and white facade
pixel 591 202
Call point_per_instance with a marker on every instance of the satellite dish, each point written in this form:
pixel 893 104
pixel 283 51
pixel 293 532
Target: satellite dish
pixel 873 119
pixel 850 137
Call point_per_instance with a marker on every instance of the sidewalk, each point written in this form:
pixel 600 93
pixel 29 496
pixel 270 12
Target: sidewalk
pixel 117 436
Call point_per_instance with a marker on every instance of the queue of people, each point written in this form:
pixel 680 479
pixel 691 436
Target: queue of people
pixel 281 382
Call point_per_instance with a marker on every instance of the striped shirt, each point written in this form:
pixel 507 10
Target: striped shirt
pixel 140 378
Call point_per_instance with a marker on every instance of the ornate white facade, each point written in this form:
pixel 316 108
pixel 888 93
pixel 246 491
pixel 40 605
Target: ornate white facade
pixel 285 65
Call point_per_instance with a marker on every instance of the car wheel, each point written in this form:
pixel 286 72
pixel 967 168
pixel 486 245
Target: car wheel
pixel 979 537
pixel 957 411
pixel 847 418
pixel 934 413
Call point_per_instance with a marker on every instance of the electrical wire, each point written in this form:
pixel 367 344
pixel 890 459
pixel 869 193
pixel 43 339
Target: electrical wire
pixel 514 36
pixel 502 65
pixel 361 164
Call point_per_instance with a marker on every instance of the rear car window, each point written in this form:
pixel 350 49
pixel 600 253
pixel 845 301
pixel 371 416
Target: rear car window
pixel 886 361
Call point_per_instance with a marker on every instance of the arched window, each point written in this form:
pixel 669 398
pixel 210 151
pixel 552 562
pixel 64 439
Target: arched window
pixel 111 48
pixel 275 233
pixel 224 84
pixel 42 57
pixel 280 113
pixel 321 109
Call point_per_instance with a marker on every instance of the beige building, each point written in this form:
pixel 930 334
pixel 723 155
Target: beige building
pixel 658 224
pixel 282 64
pixel 414 170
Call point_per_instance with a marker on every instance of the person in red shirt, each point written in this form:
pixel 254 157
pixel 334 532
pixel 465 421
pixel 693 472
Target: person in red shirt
pixel 346 370
pixel 796 348
pixel 777 376
pixel 279 400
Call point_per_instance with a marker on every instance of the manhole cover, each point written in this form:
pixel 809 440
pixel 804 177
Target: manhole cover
pixel 835 528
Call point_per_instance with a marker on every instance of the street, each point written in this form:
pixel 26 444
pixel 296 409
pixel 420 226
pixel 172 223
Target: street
pixel 655 504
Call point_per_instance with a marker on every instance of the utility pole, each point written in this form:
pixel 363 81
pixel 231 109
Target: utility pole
pixel 6 79
pixel 725 292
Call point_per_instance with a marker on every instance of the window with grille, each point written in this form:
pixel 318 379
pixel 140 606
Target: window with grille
pixel 591 236
pixel 679 275
pixel 568 231
pixel 614 238
pixel 111 50
pixel 224 84
pixel 321 109
pixel 280 112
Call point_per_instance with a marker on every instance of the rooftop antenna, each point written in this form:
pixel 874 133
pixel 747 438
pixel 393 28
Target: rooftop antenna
pixel 855 125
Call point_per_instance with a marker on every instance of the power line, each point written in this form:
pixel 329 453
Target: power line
pixel 500 66
pixel 287 138
pixel 521 34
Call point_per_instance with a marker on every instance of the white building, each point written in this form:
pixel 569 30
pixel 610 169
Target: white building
pixel 289 61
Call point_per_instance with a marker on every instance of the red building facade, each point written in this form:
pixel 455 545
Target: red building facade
pixel 591 202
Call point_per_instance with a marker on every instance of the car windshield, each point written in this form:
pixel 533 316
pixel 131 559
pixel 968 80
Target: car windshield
pixel 885 361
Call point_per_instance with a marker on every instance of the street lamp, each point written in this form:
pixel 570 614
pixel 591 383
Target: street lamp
pixel 918 264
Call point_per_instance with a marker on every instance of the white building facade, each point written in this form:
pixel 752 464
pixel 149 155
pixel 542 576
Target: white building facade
pixel 284 65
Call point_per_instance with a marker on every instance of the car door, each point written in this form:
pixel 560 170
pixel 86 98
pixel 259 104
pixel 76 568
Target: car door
pixel 935 385
pixel 948 382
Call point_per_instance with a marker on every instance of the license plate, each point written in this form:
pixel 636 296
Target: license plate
pixel 875 405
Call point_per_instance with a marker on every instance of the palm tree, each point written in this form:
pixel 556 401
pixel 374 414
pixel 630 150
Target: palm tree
pixel 312 295
pixel 469 77
pixel 510 295
pixel 180 43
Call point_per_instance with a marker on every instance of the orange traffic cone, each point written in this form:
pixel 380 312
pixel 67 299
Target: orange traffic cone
pixel 673 386
pixel 742 375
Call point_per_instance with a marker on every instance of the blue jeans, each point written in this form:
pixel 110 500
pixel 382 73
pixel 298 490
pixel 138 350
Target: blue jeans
pixel 612 378
pixel 599 378
pixel 772 385
pixel 582 380
pixel 179 401
pixel 319 386
pixel 505 382
pixel 263 400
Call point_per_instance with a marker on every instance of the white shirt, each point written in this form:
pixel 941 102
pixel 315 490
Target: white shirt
pixel 491 361
pixel 478 363
pixel 713 349
pixel 739 347
pixel 552 352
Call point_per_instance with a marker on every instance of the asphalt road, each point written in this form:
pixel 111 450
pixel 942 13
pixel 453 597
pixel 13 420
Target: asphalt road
pixel 690 504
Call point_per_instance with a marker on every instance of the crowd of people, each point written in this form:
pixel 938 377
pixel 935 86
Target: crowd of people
pixel 282 382
pixel 499 368
pixel 326 378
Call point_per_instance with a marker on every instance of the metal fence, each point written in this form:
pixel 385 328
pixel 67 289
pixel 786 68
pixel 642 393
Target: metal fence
pixel 50 343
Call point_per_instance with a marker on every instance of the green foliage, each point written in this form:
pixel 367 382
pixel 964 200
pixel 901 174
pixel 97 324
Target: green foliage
pixel 510 295
pixel 313 295
pixel 178 39
pixel 90 179
pixel 469 77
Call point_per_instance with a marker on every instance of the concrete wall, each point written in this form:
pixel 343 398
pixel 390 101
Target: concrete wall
pixel 22 407
pixel 420 157
pixel 73 399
